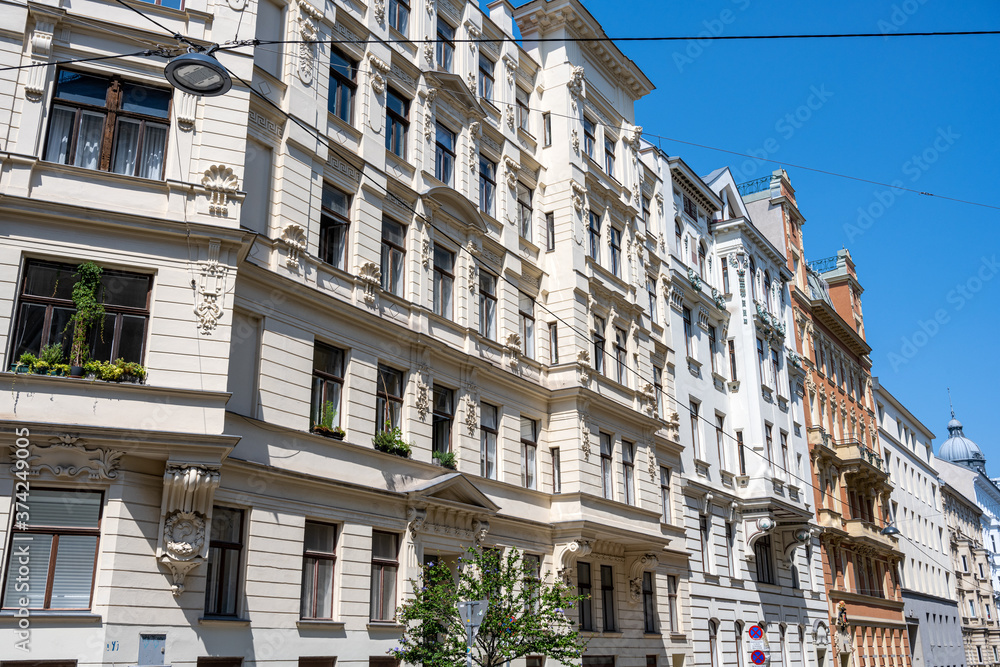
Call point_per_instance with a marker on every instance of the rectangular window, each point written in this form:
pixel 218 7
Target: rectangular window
pixel 665 493
pixel 761 357
pixel 546 129
pixel 108 124
pixel 524 196
pixel 608 598
pixel 763 558
pixel 487 305
pixel 690 208
pixel 222 579
pixel 399 15
pixel 397 123
pixel 523 108
pixel 445 45
pixel 598 344
pixel 646 216
pixel 769 445
pixel 584 589
pixel 672 601
pixel 594 236
pixel 775 366
pixel 615 242
pixel 57 546
pixel 720 436
pixel 487 186
pixel 485 77
pixel 609 156
pixel 270 28
pixel 658 390
pixel 444 155
pixel 651 293
pixel 732 360
pixel 385 565
pixel 783 437
pixel 45 306
pixel 704 532
pixel 393 254
pixel 621 355
pixel 550 232
pixel 318 560
pixel 444 414
pixel 648 607
pixel 589 137
pixel 607 482
pixel 343 84
pixel 731 549
pixel 444 282
pixel 388 399
pixel 333 226
pixel 725 276
pixel 327 386
pixel 696 430
pixel 488 429
pixel 526 323
pixel 688 332
pixel 556 470
pixel 741 454
pixel 259 183
pixel 712 347
pixel 628 471
pixel 553 343
pixel 529 447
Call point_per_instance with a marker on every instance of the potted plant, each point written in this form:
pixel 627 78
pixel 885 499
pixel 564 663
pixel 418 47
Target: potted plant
pixel 91 369
pixel 110 372
pixel 325 426
pixel 24 363
pixel 41 367
pixel 61 370
pixel 445 459
pixel 89 310
pixel 131 371
pixel 51 357
pixel 390 440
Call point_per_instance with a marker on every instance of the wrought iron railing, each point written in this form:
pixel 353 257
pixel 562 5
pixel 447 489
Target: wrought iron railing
pixel 756 185
pixel 823 265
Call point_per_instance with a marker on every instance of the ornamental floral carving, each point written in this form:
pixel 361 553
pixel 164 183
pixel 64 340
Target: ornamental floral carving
pixel 370 276
pixel 380 11
pixel 380 69
pixel 585 438
pixel 512 168
pixel 308 32
pixel 471 414
pixel 575 84
pixel 511 66
pixel 647 561
pixel 184 535
pixel 188 492
pixel 416 517
pixel 579 196
pixel 294 238
pixel 221 183
pixel 211 289
pixel 67 457
pixel 575 140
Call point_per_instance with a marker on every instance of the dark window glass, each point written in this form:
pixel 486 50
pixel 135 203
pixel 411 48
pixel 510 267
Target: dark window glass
pixel 393 254
pixel 608 598
pixel 328 386
pixel 343 83
pixel 399 15
pixel 318 560
pixel 385 565
pixel 334 224
pixel 397 114
pixel 444 413
pixel 444 157
pixel 584 589
pixel 445 45
pixel 222 579
pixel 389 398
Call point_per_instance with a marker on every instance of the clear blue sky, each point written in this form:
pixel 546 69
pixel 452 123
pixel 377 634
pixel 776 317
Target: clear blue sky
pixel 919 110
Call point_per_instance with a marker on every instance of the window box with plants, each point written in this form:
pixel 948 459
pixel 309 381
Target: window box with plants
pixel 391 441
pixel 445 460
pixel 325 426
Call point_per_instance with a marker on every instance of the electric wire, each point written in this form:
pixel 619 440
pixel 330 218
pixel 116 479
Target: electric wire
pixel 147 52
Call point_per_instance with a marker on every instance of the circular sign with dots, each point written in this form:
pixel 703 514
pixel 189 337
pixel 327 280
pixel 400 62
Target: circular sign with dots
pixel 758 657
pixel 755 632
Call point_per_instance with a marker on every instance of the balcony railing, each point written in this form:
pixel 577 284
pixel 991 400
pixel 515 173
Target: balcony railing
pixel 866 530
pixel 756 185
pixel 817 436
pixel 854 449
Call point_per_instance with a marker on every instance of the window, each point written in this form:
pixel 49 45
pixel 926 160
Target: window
pixel 648 606
pixel 584 587
pixel 658 390
pixel 333 225
pixel 524 195
pixel 385 564
pixel 731 550
pixel 688 332
pixel 399 15
pixel 690 208
pixel 485 77
pixel 171 4
pixel 594 236
pixel 487 185
pixel 725 276
pixel 553 343
pixel 270 28
pixel 615 241
pixel 488 441
pixel 767 290
pixel 523 109
pixel 713 644
pixel 646 215
pixel 598 344
pixel 695 431
pixel 720 436
pixel 677 239
pixel 318 560
pixel 651 293
pixel 328 386
pixel 589 137
pixel 529 446
pixel 705 533
pixel 550 232
pixel 547 129
pixel 979 654
pixel 621 355
pixel 444 413
pixel 607 483
pixel 672 601
pixel 712 346
pixel 609 156
pixel 393 253
pixel 222 580
pixel 445 45
pixel 343 83
pixel 775 366
pixel 556 470
pixel 739 645
pixel 701 261
pixel 665 493
pixel 397 123
pixel 526 323
pixel 741 454
pixel 45 306
pixel 783 437
pixel 52 554
pixel 487 305
pixel 769 445
pixel 531 565
pixel 972 613
pixel 763 559
pixel 761 356
pixel 628 471
pixel 965 563
pixel 608 598
pixel 732 360
pixel 444 156
pixel 213 662
pixel 108 124
pixel 444 282
pixel 388 398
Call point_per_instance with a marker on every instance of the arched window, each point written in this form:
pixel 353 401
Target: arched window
pixel 677 238
pixel 784 646
pixel 713 643
pixel 701 260
pixel 738 627
pixel 767 290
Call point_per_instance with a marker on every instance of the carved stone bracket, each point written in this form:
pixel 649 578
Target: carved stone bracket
pixel 380 69
pixel 68 456
pixel 512 168
pixel 798 538
pixel 471 414
pixel 585 438
pixel 309 16
pixel 41 49
pixel 416 517
pixel 185 110
pixel 222 184
pixel 755 528
pixel 370 276
pixel 480 528
pixel 379 7
pixel 510 64
pixel 575 84
pixel 568 554
pixel 647 561
pixel 294 238
pixel 512 348
pixel 211 288
pixel 186 514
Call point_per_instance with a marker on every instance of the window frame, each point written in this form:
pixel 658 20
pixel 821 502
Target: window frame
pixel 550 232
pixel 610 145
pixel 599 343
pixel 529 454
pixel 383 564
pixel 487 297
pixel 487 185
pixel 649 616
pixel 526 324
pixel 628 471
pixel 688 331
pixel 393 16
pixel 665 495
pixel 764 558
pixel 384 400
pixel 546 129
pixel 442 416
pixel 393 119
pixel 713 345
pixel 444 52
pixel 226 548
pixel 343 83
pixel 553 343
pixel 443 277
pixel 695 409
pixel 621 356
pixel 444 155
pixel 589 137
pixel 488 454
pixel 594 236
pixel 607 465
pixel 525 211
pixel 584 590
pixel 615 245
pixel 321 380
pixel 334 225
pixel 651 293
pixel 523 108
pixel 392 282
pixel 608 616
pixel 486 74
pixel 556 469
pixel 317 556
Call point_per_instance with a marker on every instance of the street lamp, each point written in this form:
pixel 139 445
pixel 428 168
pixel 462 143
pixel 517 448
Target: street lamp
pixel 198 74
pixel 890 530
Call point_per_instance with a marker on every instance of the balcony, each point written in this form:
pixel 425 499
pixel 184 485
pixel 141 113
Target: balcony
pixel 868 532
pixel 817 436
pixel 868 463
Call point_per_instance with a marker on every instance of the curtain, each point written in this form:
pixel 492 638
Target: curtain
pixel 88 143
pixel 153 143
pixel 60 133
pixel 126 147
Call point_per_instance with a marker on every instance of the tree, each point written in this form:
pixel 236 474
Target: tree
pixel 526 614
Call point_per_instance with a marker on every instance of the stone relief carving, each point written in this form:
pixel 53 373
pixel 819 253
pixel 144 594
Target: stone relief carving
pixel 575 84
pixel 370 276
pixel 479 530
pixel 380 69
pixel 68 456
pixel 188 491
pixel 511 66
pixel 585 438
pixel 647 561
pixel 512 348
pixel 221 183
pixel 568 555
pixel 415 517
pixel 579 196
pixel 651 462
pixel 428 97
pixel 41 48
pixel 308 32
pixel 294 238
pixel 185 110
pixel 512 168
pixel 211 289
pixel 471 414
pixel 379 9
pixel 575 140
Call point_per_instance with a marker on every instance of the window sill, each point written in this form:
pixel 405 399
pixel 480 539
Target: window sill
pixel 612 633
pixel 334 119
pixel 319 624
pixel 652 635
pixel 44 615
pixel 385 625
pixel 693 362
pixel 224 621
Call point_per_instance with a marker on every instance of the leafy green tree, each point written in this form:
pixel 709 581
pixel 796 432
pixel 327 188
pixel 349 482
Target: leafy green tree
pixel 527 615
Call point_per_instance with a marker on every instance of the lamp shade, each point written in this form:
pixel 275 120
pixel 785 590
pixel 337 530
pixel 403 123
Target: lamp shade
pixel 198 74
pixel 890 530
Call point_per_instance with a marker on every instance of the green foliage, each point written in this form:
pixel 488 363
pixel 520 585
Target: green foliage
pixel 41 367
pixel 52 354
pixel 60 369
pixel 446 459
pixel 526 615
pixel 27 359
pixel 89 308
pixel 329 414
pixel 391 441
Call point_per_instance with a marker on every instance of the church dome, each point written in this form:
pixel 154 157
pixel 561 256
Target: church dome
pixel 959 449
